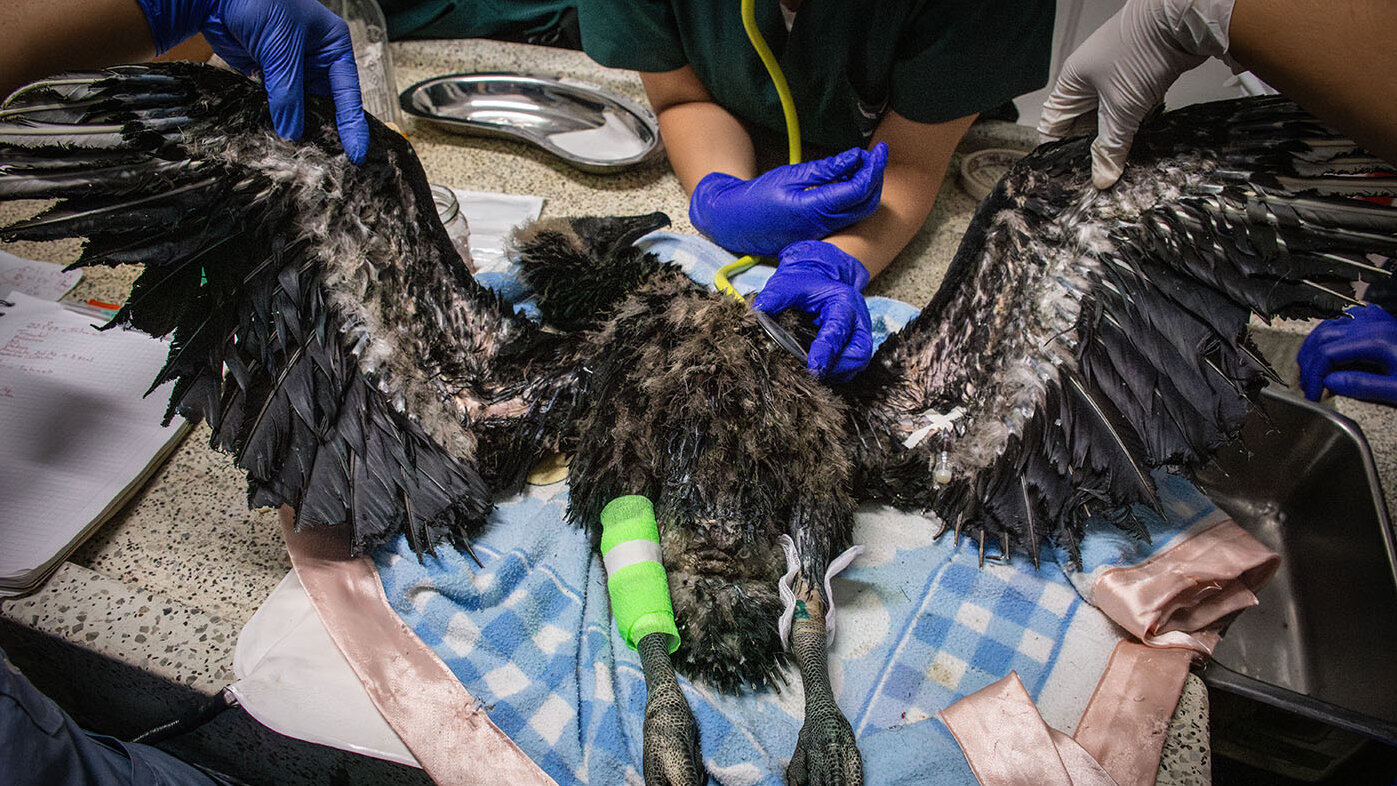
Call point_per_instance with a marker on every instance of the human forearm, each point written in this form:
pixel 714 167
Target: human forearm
pixel 908 195
pixel 699 135
pixel 702 137
pixel 1333 58
pixel 918 156
pixel 43 37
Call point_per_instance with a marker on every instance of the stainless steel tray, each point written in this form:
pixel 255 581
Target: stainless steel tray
pixel 588 126
pixel 1321 643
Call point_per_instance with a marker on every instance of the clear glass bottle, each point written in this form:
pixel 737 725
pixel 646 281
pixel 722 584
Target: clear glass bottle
pixel 449 211
pixel 368 31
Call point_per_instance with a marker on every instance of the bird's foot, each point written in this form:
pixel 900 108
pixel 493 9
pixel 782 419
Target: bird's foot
pixel 671 742
pixel 670 737
pixel 825 751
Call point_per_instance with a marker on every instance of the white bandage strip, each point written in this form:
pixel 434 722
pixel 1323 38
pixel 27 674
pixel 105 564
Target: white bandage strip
pixel 629 553
pixel 787 591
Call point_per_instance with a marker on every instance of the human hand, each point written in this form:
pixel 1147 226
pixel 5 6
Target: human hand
pixel 796 202
pixel 819 278
pixel 1124 69
pixel 299 46
pixel 1354 356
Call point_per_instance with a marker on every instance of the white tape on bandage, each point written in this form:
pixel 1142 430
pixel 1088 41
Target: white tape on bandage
pixel 629 553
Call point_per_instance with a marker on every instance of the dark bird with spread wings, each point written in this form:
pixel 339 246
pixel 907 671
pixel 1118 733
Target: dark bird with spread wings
pixel 326 329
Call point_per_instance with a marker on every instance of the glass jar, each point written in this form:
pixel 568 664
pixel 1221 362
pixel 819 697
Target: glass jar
pixel 449 211
pixel 368 31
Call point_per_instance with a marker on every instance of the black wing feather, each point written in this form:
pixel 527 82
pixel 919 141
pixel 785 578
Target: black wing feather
pixel 1088 337
pixel 322 322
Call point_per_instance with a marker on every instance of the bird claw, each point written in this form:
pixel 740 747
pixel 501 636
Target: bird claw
pixel 825 752
pixel 671 740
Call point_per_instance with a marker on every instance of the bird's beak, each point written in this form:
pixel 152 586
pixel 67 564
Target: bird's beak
pixel 605 237
pixel 633 228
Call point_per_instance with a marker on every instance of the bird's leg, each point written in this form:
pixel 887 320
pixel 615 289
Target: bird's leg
pixel 670 739
pixel 825 751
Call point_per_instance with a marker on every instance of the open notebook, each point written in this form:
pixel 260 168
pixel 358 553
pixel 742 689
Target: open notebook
pixel 77 437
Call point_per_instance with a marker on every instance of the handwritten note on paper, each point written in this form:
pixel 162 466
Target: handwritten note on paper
pixel 77 433
pixel 40 279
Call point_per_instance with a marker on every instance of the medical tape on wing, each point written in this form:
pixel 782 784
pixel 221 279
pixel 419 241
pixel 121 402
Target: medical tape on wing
pixel 635 577
pixel 936 422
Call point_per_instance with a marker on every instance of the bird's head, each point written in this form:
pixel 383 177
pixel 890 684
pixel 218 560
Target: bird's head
pixel 580 268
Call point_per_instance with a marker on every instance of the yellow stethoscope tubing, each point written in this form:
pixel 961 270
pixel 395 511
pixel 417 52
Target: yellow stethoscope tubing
pixel 788 108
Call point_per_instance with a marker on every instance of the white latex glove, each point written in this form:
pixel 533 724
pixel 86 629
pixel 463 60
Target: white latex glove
pixel 1123 70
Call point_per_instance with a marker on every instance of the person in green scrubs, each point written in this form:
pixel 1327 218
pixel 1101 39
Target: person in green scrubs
pixel 893 84
pixel 912 74
pixel 548 22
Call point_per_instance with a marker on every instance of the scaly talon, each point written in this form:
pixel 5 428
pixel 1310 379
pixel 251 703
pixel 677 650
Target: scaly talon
pixel 670 737
pixel 825 751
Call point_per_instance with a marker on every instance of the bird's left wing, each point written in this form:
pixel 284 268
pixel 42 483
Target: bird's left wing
pixel 321 321
pixel 1083 338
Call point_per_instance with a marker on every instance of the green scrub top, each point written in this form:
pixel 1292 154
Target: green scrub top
pixel 471 18
pixel 847 61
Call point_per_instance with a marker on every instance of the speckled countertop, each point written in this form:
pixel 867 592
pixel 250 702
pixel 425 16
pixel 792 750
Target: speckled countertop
pixel 168 583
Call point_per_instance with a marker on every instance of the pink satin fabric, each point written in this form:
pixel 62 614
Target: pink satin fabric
pixel 1177 603
pixel 1124 724
pixel 1183 597
pixel 1118 740
pixel 1007 743
pixel 437 718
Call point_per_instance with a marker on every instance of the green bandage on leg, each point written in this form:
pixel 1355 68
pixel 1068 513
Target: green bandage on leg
pixel 635 578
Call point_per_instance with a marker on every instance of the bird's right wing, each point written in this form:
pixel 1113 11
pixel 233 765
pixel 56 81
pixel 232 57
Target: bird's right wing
pixel 1083 338
pixel 321 321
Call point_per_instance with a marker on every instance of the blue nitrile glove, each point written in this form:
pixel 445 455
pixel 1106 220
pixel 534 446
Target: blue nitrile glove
pixel 298 45
pixel 820 279
pixel 1354 356
pixel 795 202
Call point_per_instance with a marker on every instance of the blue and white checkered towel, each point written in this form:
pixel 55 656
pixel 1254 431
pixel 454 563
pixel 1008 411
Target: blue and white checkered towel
pixel 921 625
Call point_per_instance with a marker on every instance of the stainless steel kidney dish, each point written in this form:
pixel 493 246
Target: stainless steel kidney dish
pixel 589 127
